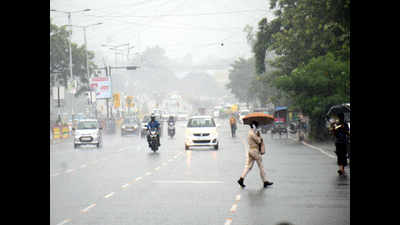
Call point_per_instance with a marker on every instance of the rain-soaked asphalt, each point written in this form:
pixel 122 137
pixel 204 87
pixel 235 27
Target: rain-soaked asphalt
pixel 124 183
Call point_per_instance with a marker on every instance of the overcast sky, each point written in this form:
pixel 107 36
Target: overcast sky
pixel 180 27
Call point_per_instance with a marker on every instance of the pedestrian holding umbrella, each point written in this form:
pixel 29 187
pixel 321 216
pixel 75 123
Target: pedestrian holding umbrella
pixel 255 145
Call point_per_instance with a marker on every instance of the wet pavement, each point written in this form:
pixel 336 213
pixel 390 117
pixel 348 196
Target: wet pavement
pixel 125 183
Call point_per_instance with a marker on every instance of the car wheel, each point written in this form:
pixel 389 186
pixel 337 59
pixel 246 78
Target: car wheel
pixel 216 147
pixel 186 147
pixel 76 146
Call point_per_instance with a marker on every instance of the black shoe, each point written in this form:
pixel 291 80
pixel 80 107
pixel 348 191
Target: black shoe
pixel 266 183
pixel 240 181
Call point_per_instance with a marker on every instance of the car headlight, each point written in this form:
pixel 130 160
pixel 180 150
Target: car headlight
pixel 123 126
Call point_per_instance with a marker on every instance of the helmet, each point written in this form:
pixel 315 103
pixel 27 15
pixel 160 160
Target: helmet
pixel 153 117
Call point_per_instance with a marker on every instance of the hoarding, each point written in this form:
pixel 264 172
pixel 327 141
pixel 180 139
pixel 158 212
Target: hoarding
pixel 102 87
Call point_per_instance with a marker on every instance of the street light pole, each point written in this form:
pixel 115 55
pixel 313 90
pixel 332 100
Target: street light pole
pixel 70 47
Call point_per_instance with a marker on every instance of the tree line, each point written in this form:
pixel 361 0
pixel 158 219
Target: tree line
pixel 301 59
pixel 59 59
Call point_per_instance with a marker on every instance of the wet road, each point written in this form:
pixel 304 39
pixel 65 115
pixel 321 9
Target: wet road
pixel 125 183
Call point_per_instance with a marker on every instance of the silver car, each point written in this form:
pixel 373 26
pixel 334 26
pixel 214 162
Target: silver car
pixel 88 132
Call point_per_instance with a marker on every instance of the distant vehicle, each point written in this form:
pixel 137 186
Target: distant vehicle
pixel 201 131
pixel 130 126
pixel 88 132
pixel 243 113
pixel 182 116
pixel 280 128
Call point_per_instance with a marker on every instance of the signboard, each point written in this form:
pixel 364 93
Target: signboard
pixel 116 98
pixel 102 87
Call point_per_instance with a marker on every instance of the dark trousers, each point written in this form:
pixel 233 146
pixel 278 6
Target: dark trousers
pixel 341 153
pixel 233 129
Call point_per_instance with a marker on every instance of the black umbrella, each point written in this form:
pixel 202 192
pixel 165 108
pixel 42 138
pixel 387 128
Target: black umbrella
pixel 337 109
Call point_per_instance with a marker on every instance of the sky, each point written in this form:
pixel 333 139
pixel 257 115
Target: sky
pixel 180 27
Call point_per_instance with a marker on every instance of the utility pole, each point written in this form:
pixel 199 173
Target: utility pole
pixel 70 47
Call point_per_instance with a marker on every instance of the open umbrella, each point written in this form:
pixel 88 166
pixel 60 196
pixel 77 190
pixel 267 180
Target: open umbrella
pixel 336 109
pixel 260 117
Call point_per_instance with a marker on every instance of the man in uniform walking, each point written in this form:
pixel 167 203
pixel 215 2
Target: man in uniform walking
pixel 254 155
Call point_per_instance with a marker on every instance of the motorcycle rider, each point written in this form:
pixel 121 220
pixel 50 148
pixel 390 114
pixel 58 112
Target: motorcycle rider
pixel 171 122
pixel 171 119
pixel 153 123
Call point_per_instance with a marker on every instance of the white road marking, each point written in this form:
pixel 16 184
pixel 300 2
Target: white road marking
pixel 237 197
pixel 64 222
pixel 109 195
pixel 169 160
pixel 139 178
pixel 311 146
pixel 322 151
pixel 164 164
pixel 157 168
pixel 87 208
pixel 83 166
pixel 54 175
pixel 148 173
pixel 187 182
pixel 125 185
pixel 69 171
pixel 234 207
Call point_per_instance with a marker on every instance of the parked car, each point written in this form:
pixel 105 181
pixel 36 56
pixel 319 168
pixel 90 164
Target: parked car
pixel 88 132
pixel 130 126
pixel 201 131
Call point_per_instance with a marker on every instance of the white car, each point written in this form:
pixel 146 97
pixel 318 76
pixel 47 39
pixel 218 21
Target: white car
pixel 201 131
pixel 88 132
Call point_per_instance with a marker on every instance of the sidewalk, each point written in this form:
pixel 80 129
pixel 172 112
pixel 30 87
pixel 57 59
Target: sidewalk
pixel 328 146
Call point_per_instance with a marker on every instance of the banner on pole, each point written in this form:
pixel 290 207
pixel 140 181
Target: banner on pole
pixel 102 87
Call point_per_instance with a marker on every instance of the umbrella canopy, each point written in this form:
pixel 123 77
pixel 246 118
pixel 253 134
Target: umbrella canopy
pixel 336 109
pixel 260 117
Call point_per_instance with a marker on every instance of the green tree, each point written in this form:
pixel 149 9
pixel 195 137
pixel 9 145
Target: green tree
pixel 316 86
pixel 59 59
pixel 240 78
pixel 303 35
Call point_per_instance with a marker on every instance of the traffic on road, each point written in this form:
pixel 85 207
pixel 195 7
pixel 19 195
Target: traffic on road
pixel 127 183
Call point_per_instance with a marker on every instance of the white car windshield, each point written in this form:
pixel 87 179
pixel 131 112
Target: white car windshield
pixel 201 122
pixel 87 125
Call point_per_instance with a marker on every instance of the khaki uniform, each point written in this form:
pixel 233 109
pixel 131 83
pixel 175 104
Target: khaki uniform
pixel 254 155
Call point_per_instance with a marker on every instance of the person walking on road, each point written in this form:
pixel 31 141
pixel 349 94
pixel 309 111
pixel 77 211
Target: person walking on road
pixel 232 122
pixel 341 132
pixel 253 154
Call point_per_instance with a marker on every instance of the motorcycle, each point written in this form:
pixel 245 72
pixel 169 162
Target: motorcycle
pixel 152 139
pixel 171 129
